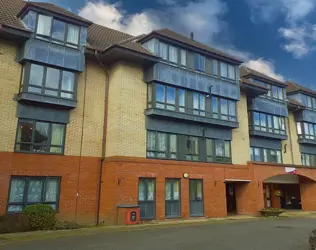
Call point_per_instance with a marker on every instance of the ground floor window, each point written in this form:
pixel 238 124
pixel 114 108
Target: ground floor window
pixel 309 160
pixel 196 198
pixel 172 198
pixel 25 190
pixel 265 155
pixel 147 198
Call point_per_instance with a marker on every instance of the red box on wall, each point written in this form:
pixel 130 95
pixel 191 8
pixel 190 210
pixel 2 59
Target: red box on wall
pixel 128 214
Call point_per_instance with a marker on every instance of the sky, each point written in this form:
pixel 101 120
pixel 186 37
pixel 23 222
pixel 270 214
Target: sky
pixel 275 37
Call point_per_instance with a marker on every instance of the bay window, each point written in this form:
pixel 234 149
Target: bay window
pixel 218 150
pixel 161 145
pixel 306 130
pixel 40 137
pixel 44 80
pixel 57 31
pixel 265 155
pixel 224 109
pixel 267 123
pixel 25 190
pixel 274 92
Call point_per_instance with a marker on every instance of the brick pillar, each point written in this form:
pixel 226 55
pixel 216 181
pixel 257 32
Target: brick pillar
pixel 160 198
pixel 249 197
pixel 275 200
pixel 308 196
pixel 185 200
pixel 214 198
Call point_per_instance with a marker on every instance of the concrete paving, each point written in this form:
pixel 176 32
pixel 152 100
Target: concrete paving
pixel 263 234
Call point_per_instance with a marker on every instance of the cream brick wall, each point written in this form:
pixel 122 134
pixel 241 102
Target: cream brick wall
pixel 292 138
pixel 93 113
pixel 10 75
pixel 240 144
pixel 126 133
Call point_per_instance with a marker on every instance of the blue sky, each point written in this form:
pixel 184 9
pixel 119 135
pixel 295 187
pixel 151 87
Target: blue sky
pixel 276 37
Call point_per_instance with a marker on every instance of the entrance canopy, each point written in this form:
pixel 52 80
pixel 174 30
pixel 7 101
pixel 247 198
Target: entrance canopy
pixel 283 179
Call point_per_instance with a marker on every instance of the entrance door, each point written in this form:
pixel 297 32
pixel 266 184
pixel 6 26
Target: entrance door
pixel 173 203
pixel 196 198
pixel 231 198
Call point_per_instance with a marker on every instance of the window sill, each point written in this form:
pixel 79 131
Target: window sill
pixel 38 153
pixel 190 117
pixel 267 134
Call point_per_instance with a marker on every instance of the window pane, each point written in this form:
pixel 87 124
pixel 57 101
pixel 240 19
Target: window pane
pixel 195 100
pixel 58 31
pixel 162 142
pixel 168 196
pixel 36 75
pixel 279 157
pixel 41 132
pixel 252 157
pixel 151 141
pixel 232 108
pixel 56 150
pixel 276 122
pixel 160 93
pixel 202 63
pixel 66 95
pixel 52 78
pixel 270 121
pixel 163 51
pixel 265 155
pixel 58 132
pixel 183 57
pixel 256 118
pixel 173 54
pixel 215 69
pixel 44 25
pixel 15 209
pixel 280 93
pixel 34 90
pixel 34 192
pixel 51 92
pixel 257 154
pixel 309 102
pixel 219 148
pixel 173 143
pixel 274 91
pixel 209 147
pixel 263 120
pixel 231 72
pixel 17 190
pixel 215 105
pixel 227 149
pixel 51 190
pixel 181 93
pixel 195 145
pixel 176 190
pixel 199 191
pixel 223 69
pixel 150 190
pixel 224 107
pixel 171 95
pixel 73 34
pixel 25 131
pixel 202 102
pixel 68 81
pixel 141 190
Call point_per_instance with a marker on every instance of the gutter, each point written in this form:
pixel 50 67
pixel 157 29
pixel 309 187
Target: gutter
pixel 105 122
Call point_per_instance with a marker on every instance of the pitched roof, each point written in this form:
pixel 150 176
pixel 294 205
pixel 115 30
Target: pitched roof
pixel 9 9
pixel 245 81
pixel 58 10
pixel 293 87
pixel 188 41
pixel 294 102
pixel 245 71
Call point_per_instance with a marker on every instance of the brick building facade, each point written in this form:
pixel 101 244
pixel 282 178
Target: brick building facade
pixel 159 121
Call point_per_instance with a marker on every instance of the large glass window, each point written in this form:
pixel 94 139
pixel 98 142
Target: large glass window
pixel 198 104
pixel 192 148
pixel 50 81
pixel 224 109
pixel 173 54
pixel 33 190
pixel 265 155
pixel 57 31
pixel 147 197
pixel 306 130
pixel 309 101
pixel 218 151
pixel 166 98
pixel 172 198
pixel 268 123
pixel 227 70
pixel 161 145
pixel 199 62
pixel 40 137
pixel 309 160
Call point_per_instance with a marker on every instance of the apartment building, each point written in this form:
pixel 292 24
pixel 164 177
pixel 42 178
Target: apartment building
pixel 94 120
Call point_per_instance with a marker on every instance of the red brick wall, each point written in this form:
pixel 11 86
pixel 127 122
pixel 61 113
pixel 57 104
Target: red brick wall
pixel 50 165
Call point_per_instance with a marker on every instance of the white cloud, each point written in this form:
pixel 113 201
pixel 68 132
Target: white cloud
pixel 203 17
pixel 265 67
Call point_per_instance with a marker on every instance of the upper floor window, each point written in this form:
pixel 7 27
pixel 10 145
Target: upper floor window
pixel 224 109
pixel 198 104
pixel 163 51
pixel 265 155
pixel 309 160
pixel 192 148
pixel 199 62
pixel 33 190
pixel 227 71
pixel 161 145
pixel 274 92
pixel 173 54
pixel 49 81
pixel 310 101
pixel 57 31
pixel 267 123
pixel 183 55
pixel 218 150
pixel 306 130
pixel 40 137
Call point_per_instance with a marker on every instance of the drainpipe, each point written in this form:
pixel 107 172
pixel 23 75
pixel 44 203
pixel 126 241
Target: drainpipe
pixel 105 122
pixel 291 143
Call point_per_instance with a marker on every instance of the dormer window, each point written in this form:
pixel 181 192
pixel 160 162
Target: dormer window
pixel 57 31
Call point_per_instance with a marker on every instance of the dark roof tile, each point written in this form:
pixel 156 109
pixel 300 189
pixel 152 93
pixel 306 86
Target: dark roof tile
pixel 9 10
pixel 293 87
